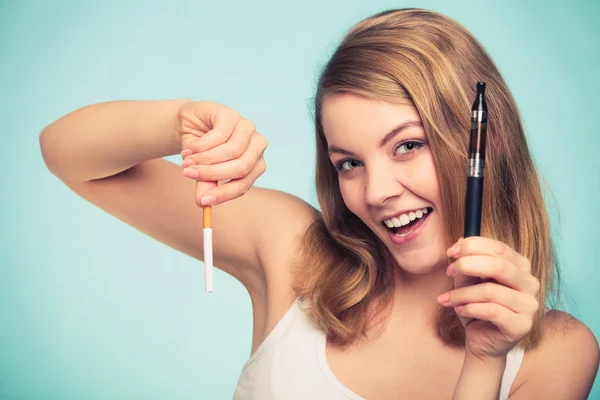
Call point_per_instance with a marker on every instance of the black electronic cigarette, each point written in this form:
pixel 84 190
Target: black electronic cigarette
pixel 476 163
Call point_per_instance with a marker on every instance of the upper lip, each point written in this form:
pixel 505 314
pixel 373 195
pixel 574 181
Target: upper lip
pixel 396 214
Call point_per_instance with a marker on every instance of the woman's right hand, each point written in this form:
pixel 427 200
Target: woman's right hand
pixel 219 145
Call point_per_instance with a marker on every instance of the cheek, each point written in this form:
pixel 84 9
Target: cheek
pixel 427 175
pixel 352 196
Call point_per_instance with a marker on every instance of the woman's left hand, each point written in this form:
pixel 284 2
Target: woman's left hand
pixel 498 312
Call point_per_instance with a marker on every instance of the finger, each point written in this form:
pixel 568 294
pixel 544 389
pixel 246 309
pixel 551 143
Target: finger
pixel 499 269
pixel 461 280
pixel 236 187
pixel 230 150
pixel 201 187
pixel 224 126
pixel 478 245
pixel 491 292
pixel 233 169
pixel 203 200
pixel 512 325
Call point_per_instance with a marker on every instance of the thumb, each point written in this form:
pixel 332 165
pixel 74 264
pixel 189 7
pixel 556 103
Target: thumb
pixel 201 188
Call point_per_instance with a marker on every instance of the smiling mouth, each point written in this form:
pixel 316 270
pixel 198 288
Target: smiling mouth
pixel 404 224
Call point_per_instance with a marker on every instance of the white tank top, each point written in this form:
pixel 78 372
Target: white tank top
pixel 290 364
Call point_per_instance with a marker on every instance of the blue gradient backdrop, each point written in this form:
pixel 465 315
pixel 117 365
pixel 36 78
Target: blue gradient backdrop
pixel 91 308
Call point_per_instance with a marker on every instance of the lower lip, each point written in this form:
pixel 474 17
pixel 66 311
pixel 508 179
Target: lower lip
pixel 411 236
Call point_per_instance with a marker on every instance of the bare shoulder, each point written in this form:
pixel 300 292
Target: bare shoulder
pixel 564 363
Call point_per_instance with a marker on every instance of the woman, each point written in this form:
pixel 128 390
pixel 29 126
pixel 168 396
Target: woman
pixel 376 297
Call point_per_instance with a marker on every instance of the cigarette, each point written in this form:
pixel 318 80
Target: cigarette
pixel 208 251
pixel 477 141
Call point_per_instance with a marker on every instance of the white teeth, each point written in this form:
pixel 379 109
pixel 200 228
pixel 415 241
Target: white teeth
pixel 405 219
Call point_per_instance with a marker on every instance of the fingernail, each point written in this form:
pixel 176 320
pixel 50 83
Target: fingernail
pixel 443 298
pixel 450 270
pixel 459 308
pixel 186 153
pixel 187 163
pixel 207 200
pixel 454 250
pixel 191 173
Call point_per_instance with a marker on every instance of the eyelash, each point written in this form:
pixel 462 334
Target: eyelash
pixel 418 145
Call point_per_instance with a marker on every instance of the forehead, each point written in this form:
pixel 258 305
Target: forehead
pixel 345 116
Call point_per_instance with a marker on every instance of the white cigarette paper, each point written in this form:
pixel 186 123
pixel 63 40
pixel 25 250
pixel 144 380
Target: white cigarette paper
pixel 208 260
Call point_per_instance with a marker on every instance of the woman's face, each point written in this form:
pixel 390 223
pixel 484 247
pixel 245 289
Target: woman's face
pixel 387 176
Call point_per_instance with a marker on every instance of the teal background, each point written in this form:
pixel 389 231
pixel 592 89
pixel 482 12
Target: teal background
pixel 93 309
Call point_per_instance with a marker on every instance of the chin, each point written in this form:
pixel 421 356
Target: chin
pixel 420 263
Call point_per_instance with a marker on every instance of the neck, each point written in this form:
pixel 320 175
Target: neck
pixel 413 306
pixel 415 295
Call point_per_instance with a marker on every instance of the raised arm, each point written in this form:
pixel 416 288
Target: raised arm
pixel 110 154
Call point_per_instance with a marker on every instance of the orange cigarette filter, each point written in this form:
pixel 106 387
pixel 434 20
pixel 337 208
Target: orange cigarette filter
pixel 207 217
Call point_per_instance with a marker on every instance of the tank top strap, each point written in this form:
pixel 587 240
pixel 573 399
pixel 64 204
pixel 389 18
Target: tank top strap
pixel 514 358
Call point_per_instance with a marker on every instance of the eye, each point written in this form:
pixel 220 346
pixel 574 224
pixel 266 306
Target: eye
pixel 408 147
pixel 346 165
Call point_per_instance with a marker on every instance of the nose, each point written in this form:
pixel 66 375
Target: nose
pixel 381 185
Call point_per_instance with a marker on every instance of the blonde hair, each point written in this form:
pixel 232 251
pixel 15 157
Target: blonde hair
pixel 430 61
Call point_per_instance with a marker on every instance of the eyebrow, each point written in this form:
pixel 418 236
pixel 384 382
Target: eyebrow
pixel 389 136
